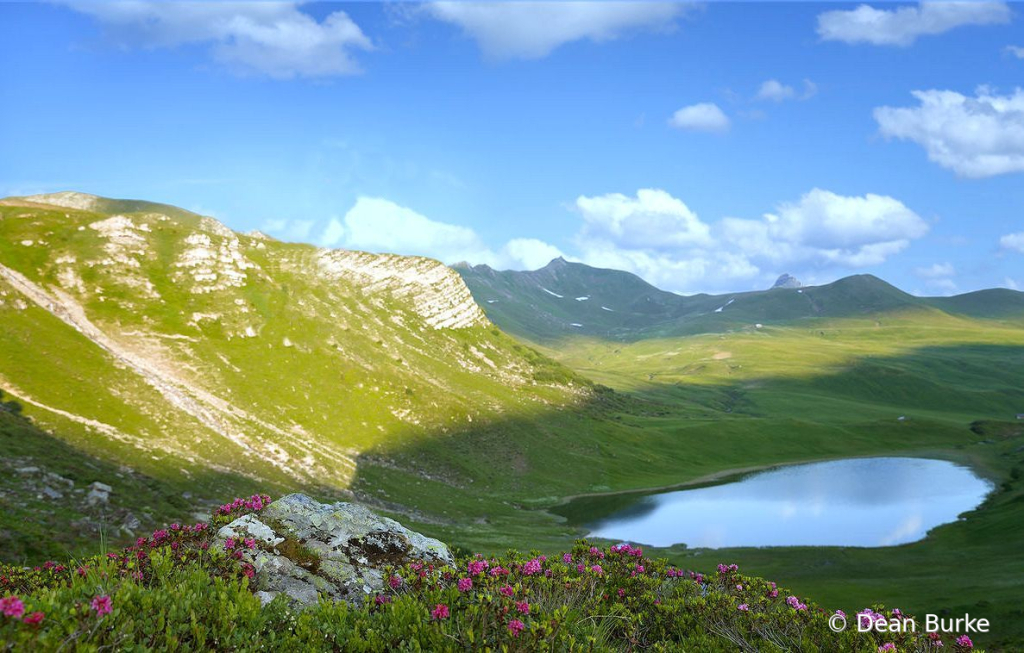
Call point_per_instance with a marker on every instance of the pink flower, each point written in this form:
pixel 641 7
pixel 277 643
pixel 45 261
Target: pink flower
pixel 12 606
pixel 597 570
pixel 440 611
pixel 230 543
pixel 964 642
pixel 465 584
pixel 523 607
pixel 515 627
pixel 477 567
pixel 248 570
pixel 622 592
pixel 743 607
pixel 34 619
pixel 739 588
pixel 532 567
pixel 250 543
pixel 395 582
pixel 506 590
pixel 566 558
pixel 382 599
pixel 580 568
pixel 888 646
pixel 102 605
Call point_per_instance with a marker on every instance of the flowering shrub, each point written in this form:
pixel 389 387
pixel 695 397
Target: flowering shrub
pixel 174 590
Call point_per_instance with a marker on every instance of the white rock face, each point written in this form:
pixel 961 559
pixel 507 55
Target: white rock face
pixel 437 292
pixel 66 199
pixel 213 266
pixel 126 247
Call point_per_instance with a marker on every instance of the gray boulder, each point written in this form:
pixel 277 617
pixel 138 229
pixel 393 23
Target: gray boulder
pixel 307 550
pixel 98 493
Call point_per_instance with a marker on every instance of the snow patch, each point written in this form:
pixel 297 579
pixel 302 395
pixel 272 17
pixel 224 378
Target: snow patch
pixel 583 299
pixel 577 325
pixel 553 294
pixel 605 308
pixel 719 309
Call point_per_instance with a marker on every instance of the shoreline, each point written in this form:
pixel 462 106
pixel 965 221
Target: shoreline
pixel 724 474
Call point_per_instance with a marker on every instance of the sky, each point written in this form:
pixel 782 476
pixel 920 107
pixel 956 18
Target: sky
pixel 706 147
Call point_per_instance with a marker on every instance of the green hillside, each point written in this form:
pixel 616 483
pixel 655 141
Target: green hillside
pixel 157 352
pixel 148 336
pixel 569 299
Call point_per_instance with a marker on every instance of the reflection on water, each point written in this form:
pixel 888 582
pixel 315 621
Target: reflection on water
pixel 856 502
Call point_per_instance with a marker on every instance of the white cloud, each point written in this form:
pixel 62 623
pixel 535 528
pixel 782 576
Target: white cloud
pixel 1016 51
pixel 945 286
pixel 333 233
pixel 652 220
pixel 1011 284
pixel 658 237
pixel 903 25
pixel 527 254
pixel 1013 242
pixel 975 137
pixel 848 226
pixel 654 235
pixel 378 225
pixel 290 230
pixel 531 30
pixel 775 91
pixel 270 38
pixel 705 116
pixel 936 271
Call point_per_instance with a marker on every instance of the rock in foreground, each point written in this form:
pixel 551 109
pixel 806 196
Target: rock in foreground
pixel 306 549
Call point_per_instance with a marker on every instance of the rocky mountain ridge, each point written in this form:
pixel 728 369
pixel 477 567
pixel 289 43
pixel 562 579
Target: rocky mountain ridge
pixel 150 335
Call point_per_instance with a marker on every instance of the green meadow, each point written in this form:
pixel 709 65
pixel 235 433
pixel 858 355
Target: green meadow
pixel 474 436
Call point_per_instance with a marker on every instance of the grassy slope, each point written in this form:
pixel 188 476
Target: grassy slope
pixel 336 369
pixel 486 458
pixel 833 388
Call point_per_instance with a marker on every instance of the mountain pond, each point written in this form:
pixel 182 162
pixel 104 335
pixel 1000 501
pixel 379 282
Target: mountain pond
pixel 867 502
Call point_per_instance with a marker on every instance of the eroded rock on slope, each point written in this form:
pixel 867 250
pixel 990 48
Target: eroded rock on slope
pixel 306 550
pixel 182 345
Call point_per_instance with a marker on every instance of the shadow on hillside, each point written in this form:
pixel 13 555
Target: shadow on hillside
pixel 666 433
pixel 46 512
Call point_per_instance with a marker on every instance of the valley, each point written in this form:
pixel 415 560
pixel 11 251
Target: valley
pixel 157 352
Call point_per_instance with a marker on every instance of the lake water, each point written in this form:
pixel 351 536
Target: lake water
pixel 855 502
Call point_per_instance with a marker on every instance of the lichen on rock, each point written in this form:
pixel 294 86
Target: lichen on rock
pixel 307 550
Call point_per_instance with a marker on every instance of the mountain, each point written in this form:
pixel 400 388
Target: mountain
pixel 151 337
pixel 564 299
pixel 787 281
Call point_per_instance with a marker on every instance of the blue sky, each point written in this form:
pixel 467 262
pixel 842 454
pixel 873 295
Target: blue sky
pixel 705 147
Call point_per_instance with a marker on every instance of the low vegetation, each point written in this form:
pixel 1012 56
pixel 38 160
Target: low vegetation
pixel 181 589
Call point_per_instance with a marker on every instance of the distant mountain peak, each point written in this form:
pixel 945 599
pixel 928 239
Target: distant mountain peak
pixel 787 281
